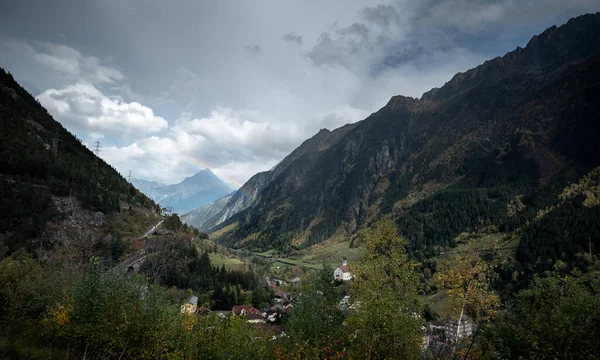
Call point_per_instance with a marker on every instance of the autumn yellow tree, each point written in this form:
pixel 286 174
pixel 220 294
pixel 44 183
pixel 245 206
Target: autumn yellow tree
pixel 467 286
pixel 384 318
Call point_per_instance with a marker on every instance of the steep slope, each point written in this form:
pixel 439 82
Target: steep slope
pixel 48 177
pixel 450 161
pixel 248 193
pixel 199 189
pixel 198 217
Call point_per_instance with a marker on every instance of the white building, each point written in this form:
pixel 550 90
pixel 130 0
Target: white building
pixel 342 273
pixel 465 329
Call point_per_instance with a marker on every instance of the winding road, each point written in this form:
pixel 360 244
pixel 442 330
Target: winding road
pixel 139 257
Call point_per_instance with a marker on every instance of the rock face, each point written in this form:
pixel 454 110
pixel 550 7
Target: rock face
pixel 202 188
pixel 518 121
pixel 198 217
pixel 247 194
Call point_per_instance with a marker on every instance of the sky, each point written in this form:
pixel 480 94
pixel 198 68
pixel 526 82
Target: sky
pixel 172 87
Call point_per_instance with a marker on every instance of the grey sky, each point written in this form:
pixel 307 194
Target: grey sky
pixel 172 87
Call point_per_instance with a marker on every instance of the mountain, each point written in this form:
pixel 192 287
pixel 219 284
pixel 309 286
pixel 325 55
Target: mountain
pixel 52 187
pixel 516 128
pixel 199 189
pixel 248 193
pixel 148 187
pixel 198 217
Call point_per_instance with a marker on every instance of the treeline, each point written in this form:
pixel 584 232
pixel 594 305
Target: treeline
pixel 37 154
pixel 178 262
pixel 49 312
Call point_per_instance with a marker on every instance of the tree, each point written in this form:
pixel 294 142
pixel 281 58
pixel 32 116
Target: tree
pixel 556 318
pixel 384 318
pixel 173 222
pixel 467 285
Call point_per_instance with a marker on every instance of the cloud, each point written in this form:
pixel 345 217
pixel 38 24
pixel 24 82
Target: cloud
pixel 292 38
pixel 254 49
pixel 381 15
pixel 356 46
pixel 125 89
pixel 334 51
pixel 72 63
pixel 84 107
pixel 235 144
pixel 241 114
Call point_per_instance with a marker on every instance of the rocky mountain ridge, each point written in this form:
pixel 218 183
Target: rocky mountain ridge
pixel 199 189
pixel 509 127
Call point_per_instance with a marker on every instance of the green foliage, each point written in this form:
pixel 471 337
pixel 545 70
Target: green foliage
pixel 559 235
pixel 384 321
pixel 314 326
pixel 173 222
pixel 40 158
pixel 557 318
pixel 177 262
pixel 44 315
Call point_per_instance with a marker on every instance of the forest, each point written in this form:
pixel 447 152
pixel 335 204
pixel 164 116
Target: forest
pixel 47 312
pixel 39 159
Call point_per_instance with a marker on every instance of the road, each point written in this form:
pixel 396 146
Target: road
pixel 139 256
pixel 152 229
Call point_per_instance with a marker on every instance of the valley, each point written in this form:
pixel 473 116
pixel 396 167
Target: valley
pixel 463 224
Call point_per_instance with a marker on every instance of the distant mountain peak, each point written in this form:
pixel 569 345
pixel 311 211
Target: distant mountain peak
pixel 192 192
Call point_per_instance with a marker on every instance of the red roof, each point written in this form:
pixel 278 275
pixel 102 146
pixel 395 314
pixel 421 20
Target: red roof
pixel 237 310
pixel 254 317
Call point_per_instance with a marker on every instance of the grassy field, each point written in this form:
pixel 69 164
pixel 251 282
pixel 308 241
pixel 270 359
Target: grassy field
pixel 232 263
pixel 215 235
pixel 329 253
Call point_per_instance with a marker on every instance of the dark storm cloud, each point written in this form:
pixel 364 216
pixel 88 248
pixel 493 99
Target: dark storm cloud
pixel 199 66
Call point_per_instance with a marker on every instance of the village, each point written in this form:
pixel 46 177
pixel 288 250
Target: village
pixel 437 334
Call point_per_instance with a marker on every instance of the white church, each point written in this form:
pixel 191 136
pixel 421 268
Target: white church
pixel 342 273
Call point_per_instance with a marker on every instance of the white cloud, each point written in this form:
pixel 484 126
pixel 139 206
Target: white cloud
pixel 234 144
pixel 84 107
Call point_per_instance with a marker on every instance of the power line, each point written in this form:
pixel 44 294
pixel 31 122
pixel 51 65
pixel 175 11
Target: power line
pixel 96 152
pixel 129 176
pixel 97 147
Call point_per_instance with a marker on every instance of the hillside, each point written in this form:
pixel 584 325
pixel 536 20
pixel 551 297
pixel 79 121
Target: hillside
pixel 192 192
pixel 51 184
pixel 522 125
pixel 198 217
pixel 249 192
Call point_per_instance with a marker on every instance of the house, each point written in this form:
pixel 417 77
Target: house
pixel 222 314
pixel 343 304
pixel 271 315
pixel 342 273
pixel 242 310
pixel 191 307
pixel 275 282
pixel 282 296
pixel 255 319
pixel 453 331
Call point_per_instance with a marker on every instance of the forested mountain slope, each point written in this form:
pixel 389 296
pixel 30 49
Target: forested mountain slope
pixel 44 170
pixel 519 126
pixel 249 192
